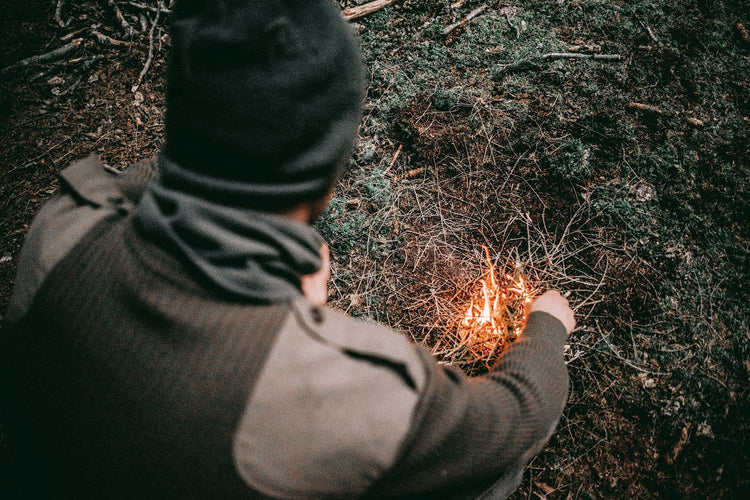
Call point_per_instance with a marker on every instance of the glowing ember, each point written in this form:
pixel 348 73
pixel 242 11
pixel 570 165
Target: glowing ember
pixel 495 315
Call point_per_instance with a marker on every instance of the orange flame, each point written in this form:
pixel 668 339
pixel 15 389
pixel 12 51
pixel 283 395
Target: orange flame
pixel 495 316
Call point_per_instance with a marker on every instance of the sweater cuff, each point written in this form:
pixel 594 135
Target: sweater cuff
pixel 544 325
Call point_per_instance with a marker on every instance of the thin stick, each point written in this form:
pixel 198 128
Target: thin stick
pixel 363 10
pixel 127 28
pixel 535 62
pixel 652 35
pixel 474 13
pixel 53 55
pixel 58 14
pixel 108 40
pixel 645 107
pixel 575 55
pixel 395 157
pixel 141 6
pixel 72 34
pixel 147 65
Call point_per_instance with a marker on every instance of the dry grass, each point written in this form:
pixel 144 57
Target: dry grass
pixel 429 233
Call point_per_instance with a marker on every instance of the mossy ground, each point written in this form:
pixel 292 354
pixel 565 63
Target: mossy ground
pixel 624 183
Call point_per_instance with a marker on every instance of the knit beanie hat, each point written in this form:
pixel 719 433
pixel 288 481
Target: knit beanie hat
pixel 264 98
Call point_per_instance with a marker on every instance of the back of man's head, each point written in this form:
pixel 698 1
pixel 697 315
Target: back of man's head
pixel 263 93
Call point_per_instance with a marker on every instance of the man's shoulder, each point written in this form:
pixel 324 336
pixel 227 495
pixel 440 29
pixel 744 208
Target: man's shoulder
pixel 87 195
pixel 365 340
pixel 334 390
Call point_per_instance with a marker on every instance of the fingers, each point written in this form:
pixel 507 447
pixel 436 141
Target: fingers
pixel 556 305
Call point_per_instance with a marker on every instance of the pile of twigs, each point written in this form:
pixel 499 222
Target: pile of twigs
pixel 495 316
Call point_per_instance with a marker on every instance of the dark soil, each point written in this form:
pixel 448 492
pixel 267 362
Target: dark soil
pixel 648 157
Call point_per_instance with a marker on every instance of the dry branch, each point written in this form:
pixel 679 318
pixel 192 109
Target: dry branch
pixel 395 157
pixel 140 6
pixel 652 35
pixel 571 55
pixel 474 13
pixel 53 55
pixel 72 34
pixel 363 10
pixel 150 57
pixel 58 15
pixel 537 62
pixel 645 107
pixel 127 28
pixel 108 40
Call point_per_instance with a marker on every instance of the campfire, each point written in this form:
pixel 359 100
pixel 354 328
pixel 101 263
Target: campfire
pixel 495 315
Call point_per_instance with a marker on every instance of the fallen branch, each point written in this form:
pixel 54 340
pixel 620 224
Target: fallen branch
pixel 536 62
pixel 652 35
pixel 58 15
pixel 645 107
pixel 72 34
pixel 108 40
pixel 586 48
pixel 474 13
pixel 127 28
pixel 150 57
pixel 53 55
pixel 364 9
pixel 395 157
pixel 141 6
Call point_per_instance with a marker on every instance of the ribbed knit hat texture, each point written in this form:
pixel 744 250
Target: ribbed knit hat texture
pixel 263 93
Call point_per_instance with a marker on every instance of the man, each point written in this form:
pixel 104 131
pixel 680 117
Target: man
pixel 167 336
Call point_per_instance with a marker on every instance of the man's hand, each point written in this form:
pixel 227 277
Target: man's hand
pixel 555 304
pixel 315 285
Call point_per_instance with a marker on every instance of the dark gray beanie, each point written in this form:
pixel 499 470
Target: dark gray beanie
pixel 264 98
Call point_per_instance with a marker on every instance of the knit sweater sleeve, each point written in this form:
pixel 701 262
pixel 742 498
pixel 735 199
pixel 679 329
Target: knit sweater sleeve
pixel 468 433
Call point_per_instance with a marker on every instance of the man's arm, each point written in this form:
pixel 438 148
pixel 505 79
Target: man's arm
pixel 469 433
pixel 345 409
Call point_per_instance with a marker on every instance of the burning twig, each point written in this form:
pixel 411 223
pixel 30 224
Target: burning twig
pixel 496 315
pixel 363 10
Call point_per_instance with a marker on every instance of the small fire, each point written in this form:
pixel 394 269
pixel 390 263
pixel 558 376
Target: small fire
pixel 496 314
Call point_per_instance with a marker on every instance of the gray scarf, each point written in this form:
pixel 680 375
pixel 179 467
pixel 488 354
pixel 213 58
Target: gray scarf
pixel 251 255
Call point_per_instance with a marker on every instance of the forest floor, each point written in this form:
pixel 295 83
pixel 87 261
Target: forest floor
pixel 620 180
